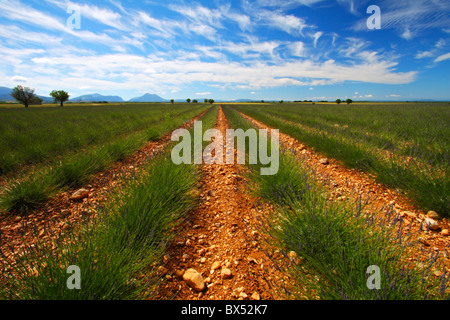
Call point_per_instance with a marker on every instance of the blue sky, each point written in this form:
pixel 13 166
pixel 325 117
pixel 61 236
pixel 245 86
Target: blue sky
pixel 261 49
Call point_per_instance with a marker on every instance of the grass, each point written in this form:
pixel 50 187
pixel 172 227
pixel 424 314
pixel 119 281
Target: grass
pixel 404 146
pixel 74 170
pixel 118 251
pixel 337 243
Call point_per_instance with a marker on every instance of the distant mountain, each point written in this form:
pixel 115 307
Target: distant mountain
pixel 96 97
pixel 4 94
pixel 148 97
pixel 244 100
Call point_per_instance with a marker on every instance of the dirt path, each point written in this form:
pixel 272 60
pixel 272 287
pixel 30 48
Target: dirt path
pixel 345 184
pixel 221 241
pixel 60 215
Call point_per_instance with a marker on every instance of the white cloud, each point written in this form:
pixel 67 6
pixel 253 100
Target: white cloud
pixel 412 17
pixel 316 37
pixel 407 34
pixel 442 57
pixel 19 79
pixel 15 10
pixel 253 49
pixel 203 93
pixel 94 13
pixel 298 49
pixel 424 54
pixel 19 35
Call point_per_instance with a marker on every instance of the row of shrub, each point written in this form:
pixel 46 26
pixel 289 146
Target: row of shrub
pixel 336 244
pixel 118 251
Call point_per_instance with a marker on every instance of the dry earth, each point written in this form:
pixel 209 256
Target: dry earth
pixel 220 252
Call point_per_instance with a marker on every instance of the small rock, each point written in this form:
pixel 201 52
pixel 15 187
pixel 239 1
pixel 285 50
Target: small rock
pixel 433 215
pixel 445 232
pixel 432 224
pixel 424 242
pixel 252 260
pixel 203 260
pixel 17 219
pixel 256 296
pixel 215 265
pixel 293 257
pixel 324 161
pixel 79 194
pixel 65 212
pixel 41 233
pixel 243 295
pixel 437 273
pixel 226 273
pixel 179 273
pixel 161 270
pixel 409 214
pixel 194 280
pixel 188 242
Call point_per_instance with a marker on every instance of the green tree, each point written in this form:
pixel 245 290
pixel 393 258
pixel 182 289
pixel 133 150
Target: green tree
pixel 349 101
pixel 60 96
pixel 172 101
pixel 281 101
pixel 206 101
pixel 338 101
pixel 211 101
pixel 24 95
pixel 194 101
pixel 188 100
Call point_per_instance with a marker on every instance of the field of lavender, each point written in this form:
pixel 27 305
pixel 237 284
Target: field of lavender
pixel 337 242
pixel 404 145
pixel 69 145
pixel 120 246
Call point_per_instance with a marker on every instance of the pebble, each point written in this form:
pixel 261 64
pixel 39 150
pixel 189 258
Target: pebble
pixel 409 214
pixel 194 280
pixel 243 295
pixel 79 194
pixel 432 224
pixel 433 215
pixel 256 296
pixel 215 265
pixel 324 161
pixel 445 232
pixel 161 270
pixel 226 273
pixel 179 273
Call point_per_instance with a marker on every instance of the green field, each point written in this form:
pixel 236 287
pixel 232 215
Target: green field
pixel 119 251
pixel 34 135
pixel 336 242
pixel 72 144
pixel 405 145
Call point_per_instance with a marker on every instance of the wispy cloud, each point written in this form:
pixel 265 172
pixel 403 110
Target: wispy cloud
pixel 410 18
pixel 442 57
